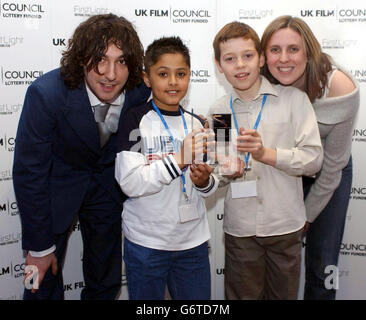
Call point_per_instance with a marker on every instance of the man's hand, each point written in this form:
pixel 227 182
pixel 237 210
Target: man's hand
pixel 42 264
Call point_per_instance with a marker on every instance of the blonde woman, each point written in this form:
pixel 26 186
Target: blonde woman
pixel 294 58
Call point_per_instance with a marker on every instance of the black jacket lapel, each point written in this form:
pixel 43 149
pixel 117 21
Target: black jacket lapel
pixel 79 114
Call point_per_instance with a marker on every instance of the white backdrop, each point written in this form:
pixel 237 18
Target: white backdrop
pixel 33 34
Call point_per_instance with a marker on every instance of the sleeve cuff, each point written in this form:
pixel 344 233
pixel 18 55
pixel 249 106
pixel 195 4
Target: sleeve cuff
pixel 311 215
pixel 283 159
pixel 39 254
pixel 210 188
pixel 172 167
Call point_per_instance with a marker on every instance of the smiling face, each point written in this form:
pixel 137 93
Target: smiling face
pixel 240 63
pixel 112 78
pixel 168 80
pixel 286 57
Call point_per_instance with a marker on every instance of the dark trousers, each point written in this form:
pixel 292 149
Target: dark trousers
pixel 186 273
pixel 324 238
pixel 262 268
pixel 100 224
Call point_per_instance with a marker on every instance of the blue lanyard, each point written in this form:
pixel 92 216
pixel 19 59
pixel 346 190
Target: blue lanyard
pixel 172 139
pixel 247 156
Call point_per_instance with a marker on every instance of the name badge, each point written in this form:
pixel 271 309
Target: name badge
pixel 187 211
pixel 243 189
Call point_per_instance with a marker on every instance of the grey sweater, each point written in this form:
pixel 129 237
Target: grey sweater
pixel 336 118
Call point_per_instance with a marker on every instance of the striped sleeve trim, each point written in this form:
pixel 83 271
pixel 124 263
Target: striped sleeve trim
pixel 171 168
pixel 207 189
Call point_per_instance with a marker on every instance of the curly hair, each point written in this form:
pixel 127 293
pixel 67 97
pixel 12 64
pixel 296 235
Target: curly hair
pixel 319 63
pixel 89 43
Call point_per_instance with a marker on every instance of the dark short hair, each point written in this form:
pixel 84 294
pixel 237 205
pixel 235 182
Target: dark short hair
pixel 162 46
pixel 234 30
pixel 90 42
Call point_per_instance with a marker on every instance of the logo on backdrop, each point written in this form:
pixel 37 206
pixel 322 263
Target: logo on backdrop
pixel 200 76
pixel 6 175
pixel 11 238
pixel 318 13
pixel 352 15
pixel 353 249
pixel 89 11
pixel 9 207
pixel 14 270
pixel 358 193
pixel 21 10
pixel 7 143
pixel 337 43
pixel 359 74
pixel 19 77
pixel 359 135
pixel 75 227
pixel 124 280
pixel 10 41
pixel 254 14
pixel 343 273
pixel 176 15
pixel 60 42
pixel 10 109
pixel 220 271
pixel 74 286
pixel 15 296
pixel 341 15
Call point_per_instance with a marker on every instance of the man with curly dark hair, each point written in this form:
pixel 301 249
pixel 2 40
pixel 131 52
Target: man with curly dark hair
pixel 65 153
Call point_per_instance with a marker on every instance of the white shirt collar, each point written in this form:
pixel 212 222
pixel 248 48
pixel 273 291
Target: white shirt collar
pixel 94 101
pixel 265 88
